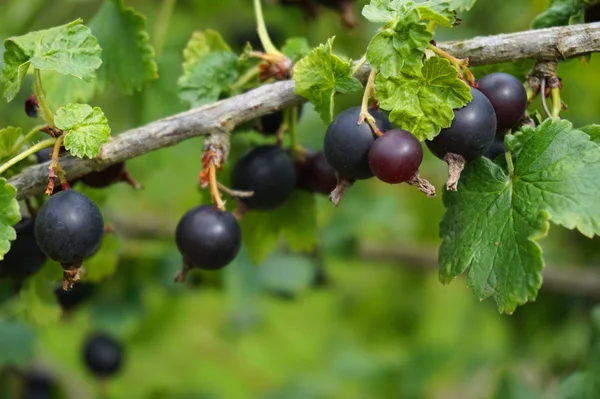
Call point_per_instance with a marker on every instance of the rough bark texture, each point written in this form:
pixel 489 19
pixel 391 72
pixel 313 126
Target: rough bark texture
pixel 220 117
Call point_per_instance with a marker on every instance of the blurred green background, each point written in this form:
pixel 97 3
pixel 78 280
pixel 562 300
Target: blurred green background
pixel 335 323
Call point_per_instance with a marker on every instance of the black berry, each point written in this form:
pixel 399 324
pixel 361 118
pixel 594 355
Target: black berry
pixel 471 133
pixel 396 156
pixel 347 143
pixel 69 227
pixel 269 172
pixel 592 14
pixel 508 97
pixel 496 149
pixel 208 238
pixel 71 299
pixel 113 174
pixel 24 258
pixel 269 124
pixel 103 355
pixel 32 106
pixel 313 173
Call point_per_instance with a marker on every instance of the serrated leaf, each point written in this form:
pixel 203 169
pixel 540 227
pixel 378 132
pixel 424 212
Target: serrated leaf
pixel 593 131
pixel 294 221
pixel 562 12
pixel 9 215
pixel 8 139
pixel 461 5
pixel 439 11
pixel 85 129
pixel 494 219
pixel 296 48
pixel 400 46
pixel 17 343
pixel 127 55
pixel 210 77
pixel 69 49
pixel 383 11
pixel 200 44
pixel 61 90
pixel 320 75
pixel 104 262
pixel 423 103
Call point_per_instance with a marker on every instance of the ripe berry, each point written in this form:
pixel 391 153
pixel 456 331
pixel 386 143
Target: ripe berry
pixel 44 155
pixel 80 293
pixel 269 172
pixel 396 156
pixel 208 238
pixel 471 132
pixel 592 14
pixel 24 258
pixel 314 174
pixel 347 143
pixel 103 355
pixel 38 385
pixel 508 97
pixel 69 227
pixel 32 106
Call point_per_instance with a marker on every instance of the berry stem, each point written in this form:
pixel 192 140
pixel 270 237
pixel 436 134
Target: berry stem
pixel 214 188
pixel 162 24
pixel 41 97
pixel 245 78
pixel 365 116
pixel 234 193
pixel 556 102
pixel 359 64
pixel 431 26
pixel 285 125
pixel 458 63
pixel 55 169
pixel 27 137
pixel 30 151
pixel 509 164
pixel 263 34
pixel 543 96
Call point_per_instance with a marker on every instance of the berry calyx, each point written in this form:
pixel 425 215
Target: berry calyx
pixel 103 355
pixel 267 171
pixel 469 136
pixel 207 238
pixel 24 258
pixel 68 229
pixel 508 97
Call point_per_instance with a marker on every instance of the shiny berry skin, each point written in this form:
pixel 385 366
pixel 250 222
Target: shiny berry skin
pixel 103 355
pixel 69 227
pixel 24 258
pixel 208 238
pixel 396 156
pixel 471 133
pixel 508 97
pixel 347 143
pixel 269 172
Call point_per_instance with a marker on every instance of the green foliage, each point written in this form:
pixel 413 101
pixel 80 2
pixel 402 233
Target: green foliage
pixel 85 129
pixel 296 48
pixel 121 32
pixel 9 215
pixel 200 44
pixel 423 103
pixel 37 303
pixel 497 215
pixel 295 221
pixel 104 262
pixel 8 139
pixel 562 12
pixel 17 343
pixel 69 49
pixel 593 131
pixel 65 89
pixel 320 75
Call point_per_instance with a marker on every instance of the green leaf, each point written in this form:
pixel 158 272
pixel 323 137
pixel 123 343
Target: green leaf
pixel 8 138
pixel 85 128
pixel 423 103
pixel 494 219
pixel 9 215
pixel 383 11
pixel 562 12
pixel 69 49
pixel 200 44
pixel 296 48
pixel 439 11
pixel 127 55
pixel 61 90
pixel 400 47
pixel 320 75
pixel 104 262
pixel 38 302
pixel 461 5
pixel 17 344
pixel 295 221
pixel 210 77
pixel 593 131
